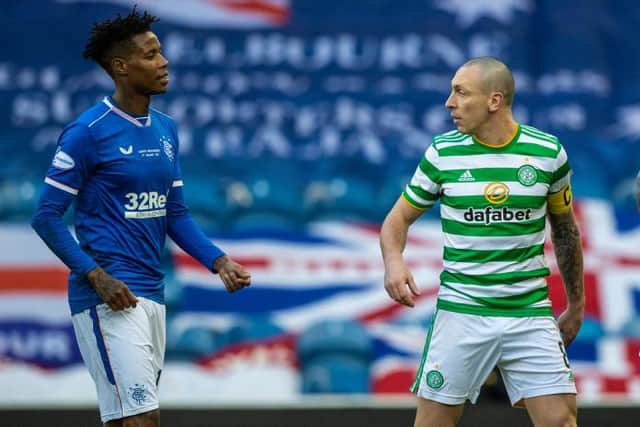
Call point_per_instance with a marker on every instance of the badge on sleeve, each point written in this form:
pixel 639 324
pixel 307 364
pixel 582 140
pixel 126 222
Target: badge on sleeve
pixel 62 160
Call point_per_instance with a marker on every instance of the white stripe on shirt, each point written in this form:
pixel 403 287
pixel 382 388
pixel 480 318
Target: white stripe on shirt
pixel 61 186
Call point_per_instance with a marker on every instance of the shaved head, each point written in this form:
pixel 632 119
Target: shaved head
pixel 496 76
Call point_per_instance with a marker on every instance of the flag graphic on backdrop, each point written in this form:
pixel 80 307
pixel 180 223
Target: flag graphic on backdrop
pixel 240 14
pixel 331 270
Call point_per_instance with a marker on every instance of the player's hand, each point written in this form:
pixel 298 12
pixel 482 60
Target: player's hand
pixel 233 275
pixel 569 323
pixel 399 283
pixel 112 291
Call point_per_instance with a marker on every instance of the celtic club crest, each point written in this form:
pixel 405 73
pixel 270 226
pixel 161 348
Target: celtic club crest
pixel 435 379
pixel 527 175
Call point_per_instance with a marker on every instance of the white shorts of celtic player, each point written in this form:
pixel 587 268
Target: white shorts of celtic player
pixel 462 350
pixel 124 352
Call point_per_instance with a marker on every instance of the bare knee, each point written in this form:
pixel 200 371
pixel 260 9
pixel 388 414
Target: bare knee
pixel 434 414
pixel 559 420
pixel 560 417
pixel 559 410
pixel 147 419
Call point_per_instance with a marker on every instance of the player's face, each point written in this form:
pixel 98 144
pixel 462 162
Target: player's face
pixel 146 66
pixel 468 103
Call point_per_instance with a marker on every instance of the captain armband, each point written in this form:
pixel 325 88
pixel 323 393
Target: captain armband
pixel 560 202
pixel 414 204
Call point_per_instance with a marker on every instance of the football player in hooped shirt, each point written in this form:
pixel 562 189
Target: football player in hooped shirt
pixel 498 183
pixel 119 162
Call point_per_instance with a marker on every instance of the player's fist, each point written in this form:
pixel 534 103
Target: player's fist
pixel 233 275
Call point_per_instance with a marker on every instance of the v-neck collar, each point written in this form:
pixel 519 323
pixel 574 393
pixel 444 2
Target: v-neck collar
pixel 125 115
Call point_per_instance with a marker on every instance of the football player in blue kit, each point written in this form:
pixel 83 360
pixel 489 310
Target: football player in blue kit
pixel 119 162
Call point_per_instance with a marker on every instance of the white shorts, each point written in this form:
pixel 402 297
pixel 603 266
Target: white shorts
pixel 124 352
pixel 462 350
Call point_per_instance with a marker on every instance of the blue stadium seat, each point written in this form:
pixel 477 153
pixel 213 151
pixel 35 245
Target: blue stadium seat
pixel 336 373
pixel 195 342
pixel 343 198
pixel 253 328
pixel 272 188
pixel 335 357
pixel 337 335
pixel 257 221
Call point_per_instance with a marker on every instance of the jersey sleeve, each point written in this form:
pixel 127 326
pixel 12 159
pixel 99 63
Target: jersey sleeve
pixel 68 172
pixel 559 199
pixel 181 226
pixel 424 188
pixel 561 172
pixel 73 161
pixel 177 169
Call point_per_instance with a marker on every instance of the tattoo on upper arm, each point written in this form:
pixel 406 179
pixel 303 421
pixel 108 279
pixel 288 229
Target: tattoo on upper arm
pixel 568 249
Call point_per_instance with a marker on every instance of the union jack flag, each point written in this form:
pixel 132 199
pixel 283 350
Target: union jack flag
pixel 334 270
pixel 331 270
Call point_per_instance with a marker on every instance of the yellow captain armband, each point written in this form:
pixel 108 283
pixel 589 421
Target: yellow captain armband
pixel 413 204
pixel 560 202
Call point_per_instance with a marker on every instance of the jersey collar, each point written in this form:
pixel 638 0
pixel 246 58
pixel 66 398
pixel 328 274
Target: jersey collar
pixel 513 138
pixel 125 115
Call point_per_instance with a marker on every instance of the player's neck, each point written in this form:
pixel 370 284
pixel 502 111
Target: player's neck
pixel 131 102
pixel 497 132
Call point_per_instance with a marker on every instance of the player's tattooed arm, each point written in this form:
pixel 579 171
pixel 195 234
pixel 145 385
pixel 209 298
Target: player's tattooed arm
pixel 111 290
pixel 567 246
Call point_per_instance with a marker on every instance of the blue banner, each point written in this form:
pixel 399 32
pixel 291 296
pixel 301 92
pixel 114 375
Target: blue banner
pixel 316 90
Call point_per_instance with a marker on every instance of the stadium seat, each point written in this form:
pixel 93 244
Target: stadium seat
pixel 259 221
pixel 253 328
pixel 195 342
pixel 336 373
pixel 274 189
pixel 335 357
pixel 343 198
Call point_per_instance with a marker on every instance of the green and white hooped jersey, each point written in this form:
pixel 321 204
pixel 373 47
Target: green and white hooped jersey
pixel 493 203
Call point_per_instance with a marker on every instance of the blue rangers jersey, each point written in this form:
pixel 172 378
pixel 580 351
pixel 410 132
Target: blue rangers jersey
pixel 125 176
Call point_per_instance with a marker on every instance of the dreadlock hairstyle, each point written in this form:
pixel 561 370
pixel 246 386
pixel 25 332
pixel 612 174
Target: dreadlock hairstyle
pixel 109 35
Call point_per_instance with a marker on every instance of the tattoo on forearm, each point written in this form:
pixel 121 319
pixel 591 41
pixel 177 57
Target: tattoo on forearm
pixel 568 249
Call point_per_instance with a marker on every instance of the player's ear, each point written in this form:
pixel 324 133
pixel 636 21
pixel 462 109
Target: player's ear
pixel 119 66
pixel 496 99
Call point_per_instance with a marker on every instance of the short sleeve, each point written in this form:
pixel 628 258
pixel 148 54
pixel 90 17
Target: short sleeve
pixel 424 188
pixel 561 172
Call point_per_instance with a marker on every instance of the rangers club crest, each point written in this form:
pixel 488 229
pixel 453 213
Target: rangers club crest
pixel 138 393
pixel 168 148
